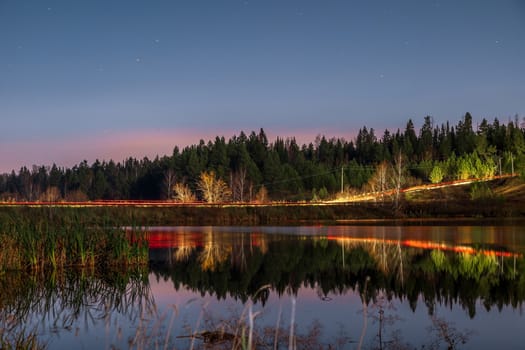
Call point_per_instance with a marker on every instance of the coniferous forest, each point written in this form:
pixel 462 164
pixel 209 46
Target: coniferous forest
pixel 249 167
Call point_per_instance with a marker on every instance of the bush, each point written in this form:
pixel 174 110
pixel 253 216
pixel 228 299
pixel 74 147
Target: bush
pixel 436 175
pixel 480 191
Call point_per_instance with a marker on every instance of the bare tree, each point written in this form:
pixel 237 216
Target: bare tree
pixel 52 194
pixel 239 184
pixel 76 196
pixel 262 195
pixel 168 182
pixel 445 333
pixel 183 193
pixel 213 189
pixel 378 182
pixel 398 177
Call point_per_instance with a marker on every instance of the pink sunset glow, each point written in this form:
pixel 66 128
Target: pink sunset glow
pixel 118 146
pixel 71 150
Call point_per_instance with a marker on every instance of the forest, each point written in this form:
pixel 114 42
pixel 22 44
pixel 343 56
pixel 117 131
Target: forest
pixel 250 168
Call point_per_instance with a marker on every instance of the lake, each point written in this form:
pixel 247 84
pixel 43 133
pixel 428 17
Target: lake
pixel 304 287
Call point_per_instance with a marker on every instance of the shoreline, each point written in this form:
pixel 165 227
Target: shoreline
pixel 282 214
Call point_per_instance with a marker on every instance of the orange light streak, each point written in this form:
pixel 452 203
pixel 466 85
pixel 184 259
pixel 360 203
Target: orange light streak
pixel 429 245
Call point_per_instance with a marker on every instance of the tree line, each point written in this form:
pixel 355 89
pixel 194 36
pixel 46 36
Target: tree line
pixel 249 167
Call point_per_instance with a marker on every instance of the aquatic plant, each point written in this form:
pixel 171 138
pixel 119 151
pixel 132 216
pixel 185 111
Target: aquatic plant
pixel 63 297
pixel 48 239
pixel 20 340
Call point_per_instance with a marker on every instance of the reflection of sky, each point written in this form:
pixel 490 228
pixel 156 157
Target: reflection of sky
pixel 340 314
pixel 180 312
pixel 344 313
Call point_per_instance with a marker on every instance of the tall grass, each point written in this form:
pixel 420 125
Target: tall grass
pixel 46 240
pixel 238 330
pixel 20 340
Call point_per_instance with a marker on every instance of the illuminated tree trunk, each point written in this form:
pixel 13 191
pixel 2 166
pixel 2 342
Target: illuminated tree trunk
pixel 399 179
pixel 239 184
pixel 169 182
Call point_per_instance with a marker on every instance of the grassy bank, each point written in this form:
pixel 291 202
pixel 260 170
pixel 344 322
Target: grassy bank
pixel 277 214
pixel 88 222
pixel 500 198
pixel 41 238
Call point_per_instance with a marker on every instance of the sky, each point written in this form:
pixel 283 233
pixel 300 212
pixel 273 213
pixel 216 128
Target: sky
pixel 108 79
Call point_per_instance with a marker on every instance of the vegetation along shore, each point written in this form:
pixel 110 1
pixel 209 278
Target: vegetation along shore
pixel 250 169
pixel 56 217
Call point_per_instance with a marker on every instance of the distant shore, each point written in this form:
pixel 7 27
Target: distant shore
pixel 495 199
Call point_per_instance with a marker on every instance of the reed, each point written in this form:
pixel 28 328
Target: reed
pixel 239 330
pixel 46 239
pixel 21 340
pixel 64 297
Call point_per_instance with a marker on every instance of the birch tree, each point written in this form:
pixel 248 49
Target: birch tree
pixel 398 177
pixel 169 182
pixel 213 189
pixel 183 193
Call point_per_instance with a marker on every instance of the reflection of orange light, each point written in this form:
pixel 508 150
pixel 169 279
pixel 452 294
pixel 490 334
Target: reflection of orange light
pixel 255 239
pixel 428 245
pixel 161 239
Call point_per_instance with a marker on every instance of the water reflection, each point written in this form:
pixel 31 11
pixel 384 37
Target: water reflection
pixel 476 269
pixel 335 287
pixel 51 304
pixel 450 269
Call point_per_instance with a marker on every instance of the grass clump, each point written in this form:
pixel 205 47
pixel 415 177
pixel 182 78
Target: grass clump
pixel 43 240
pixel 20 340
pixel 480 191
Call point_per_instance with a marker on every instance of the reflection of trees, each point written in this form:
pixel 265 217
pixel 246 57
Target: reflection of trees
pixel 472 266
pixel 442 333
pixel 389 257
pixel 211 249
pixel 183 253
pixel 236 266
pixel 213 253
pixel 65 297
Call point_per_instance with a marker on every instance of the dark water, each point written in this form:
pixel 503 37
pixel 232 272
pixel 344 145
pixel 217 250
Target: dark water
pixel 343 287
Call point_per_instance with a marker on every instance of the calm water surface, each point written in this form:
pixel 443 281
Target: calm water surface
pixel 347 287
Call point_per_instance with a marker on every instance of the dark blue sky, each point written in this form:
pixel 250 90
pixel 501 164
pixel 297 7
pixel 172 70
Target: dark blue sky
pixel 92 72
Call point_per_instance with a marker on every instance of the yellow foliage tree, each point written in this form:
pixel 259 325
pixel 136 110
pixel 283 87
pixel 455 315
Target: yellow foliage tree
pixel 262 195
pixel 213 189
pixel 379 181
pixel 52 194
pixel 183 193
